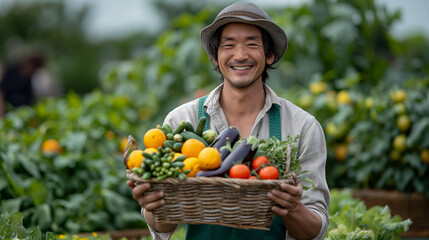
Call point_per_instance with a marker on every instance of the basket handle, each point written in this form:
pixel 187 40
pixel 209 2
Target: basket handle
pixel 288 152
pixel 288 157
pixel 131 142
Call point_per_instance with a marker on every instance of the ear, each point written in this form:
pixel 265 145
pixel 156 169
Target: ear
pixel 270 59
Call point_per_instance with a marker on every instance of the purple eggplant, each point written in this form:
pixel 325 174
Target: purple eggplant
pixel 243 153
pixel 231 134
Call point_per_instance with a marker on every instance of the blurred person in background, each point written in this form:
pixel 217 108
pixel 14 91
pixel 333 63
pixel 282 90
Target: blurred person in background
pixel 24 81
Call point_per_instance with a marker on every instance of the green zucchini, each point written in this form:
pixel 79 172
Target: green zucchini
pixel 166 128
pixel 189 127
pixel 177 146
pixel 179 128
pixel 188 135
pixel 200 126
pixel 169 144
pixel 180 158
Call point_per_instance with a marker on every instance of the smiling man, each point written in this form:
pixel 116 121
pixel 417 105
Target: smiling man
pixel 243 43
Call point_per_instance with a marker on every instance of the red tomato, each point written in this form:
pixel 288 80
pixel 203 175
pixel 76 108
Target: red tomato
pixel 239 171
pixel 253 177
pixel 258 162
pixel 269 172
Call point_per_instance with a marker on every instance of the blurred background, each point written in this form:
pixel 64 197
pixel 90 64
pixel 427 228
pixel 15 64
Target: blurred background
pixel 95 33
pixel 79 76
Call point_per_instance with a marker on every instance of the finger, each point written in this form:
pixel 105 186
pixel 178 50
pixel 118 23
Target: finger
pixel 153 205
pixel 292 190
pixel 141 189
pixel 279 211
pixel 130 184
pixel 283 199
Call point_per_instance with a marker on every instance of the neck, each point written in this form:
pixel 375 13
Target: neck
pixel 242 106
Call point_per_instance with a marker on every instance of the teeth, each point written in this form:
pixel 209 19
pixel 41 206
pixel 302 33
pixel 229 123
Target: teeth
pixel 241 68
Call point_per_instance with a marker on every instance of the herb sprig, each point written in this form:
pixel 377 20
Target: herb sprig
pixel 276 151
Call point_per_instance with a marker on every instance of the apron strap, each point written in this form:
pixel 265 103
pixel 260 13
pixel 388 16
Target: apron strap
pixel 202 112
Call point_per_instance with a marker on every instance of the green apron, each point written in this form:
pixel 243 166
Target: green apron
pixel 208 232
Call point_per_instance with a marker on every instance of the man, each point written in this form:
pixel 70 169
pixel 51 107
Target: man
pixel 16 88
pixel 243 43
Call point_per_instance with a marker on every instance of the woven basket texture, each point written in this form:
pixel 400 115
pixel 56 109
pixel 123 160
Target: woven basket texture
pixel 239 203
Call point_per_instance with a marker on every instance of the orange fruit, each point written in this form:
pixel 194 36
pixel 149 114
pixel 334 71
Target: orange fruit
pixel 123 144
pixel 369 102
pixel 403 123
pixel 399 142
pixel 341 152
pixel 398 96
pixel 51 146
pixel 400 108
pixel 176 155
pixel 109 135
pixel 305 101
pixel 192 164
pixel 343 97
pixel 135 159
pixel 318 87
pixel 424 156
pixel 209 158
pixel 192 147
pixel 154 138
pixel 150 150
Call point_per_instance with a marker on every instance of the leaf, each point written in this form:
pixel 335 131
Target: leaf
pixel 75 141
pixel 42 215
pixel 417 132
pixel 29 165
pixel 11 205
pixel 12 178
pixel 38 192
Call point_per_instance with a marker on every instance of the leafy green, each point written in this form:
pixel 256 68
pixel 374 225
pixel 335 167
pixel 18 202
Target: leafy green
pixel 349 219
pixel 277 152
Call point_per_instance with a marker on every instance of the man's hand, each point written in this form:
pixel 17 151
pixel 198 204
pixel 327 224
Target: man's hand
pixel 288 199
pixel 148 202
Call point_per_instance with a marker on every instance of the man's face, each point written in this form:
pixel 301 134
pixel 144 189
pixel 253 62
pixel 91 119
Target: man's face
pixel 241 56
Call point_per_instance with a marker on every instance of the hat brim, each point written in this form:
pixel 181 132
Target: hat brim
pixel 278 35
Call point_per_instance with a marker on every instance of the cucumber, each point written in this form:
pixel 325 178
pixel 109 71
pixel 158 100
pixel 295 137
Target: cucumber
pixel 147 175
pixel 189 127
pixel 169 136
pixel 180 158
pixel 169 144
pixel 200 126
pixel 179 128
pixel 178 147
pixel 166 128
pixel 177 164
pixel 147 155
pixel 188 135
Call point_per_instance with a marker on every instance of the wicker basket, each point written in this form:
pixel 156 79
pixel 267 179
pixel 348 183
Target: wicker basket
pixel 239 203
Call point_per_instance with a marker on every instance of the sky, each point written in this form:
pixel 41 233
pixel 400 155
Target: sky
pixel 110 18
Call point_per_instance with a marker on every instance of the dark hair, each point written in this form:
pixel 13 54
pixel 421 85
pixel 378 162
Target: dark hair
pixel 267 41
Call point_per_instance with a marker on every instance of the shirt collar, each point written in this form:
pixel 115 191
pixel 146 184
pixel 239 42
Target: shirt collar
pixel 212 102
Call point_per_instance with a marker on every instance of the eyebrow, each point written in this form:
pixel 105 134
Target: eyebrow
pixel 247 38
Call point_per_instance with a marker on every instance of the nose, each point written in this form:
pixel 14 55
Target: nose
pixel 240 53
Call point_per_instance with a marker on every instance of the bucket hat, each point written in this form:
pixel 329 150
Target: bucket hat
pixel 249 13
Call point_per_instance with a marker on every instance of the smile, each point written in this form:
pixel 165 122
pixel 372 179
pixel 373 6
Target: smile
pixel 241 67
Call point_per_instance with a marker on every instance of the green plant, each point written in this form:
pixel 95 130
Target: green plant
pixel 349 219
pixel 79 189
pixel 11 227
